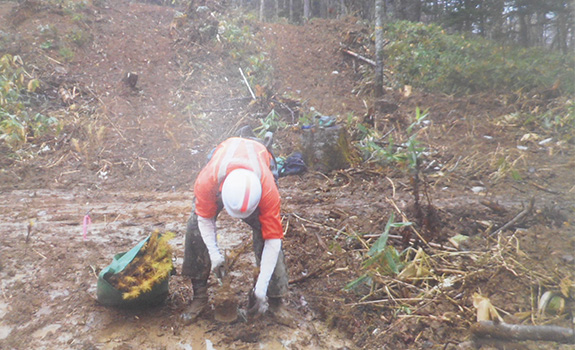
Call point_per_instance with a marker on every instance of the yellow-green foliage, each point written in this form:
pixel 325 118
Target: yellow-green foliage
pixel 151 266
pixel 18 122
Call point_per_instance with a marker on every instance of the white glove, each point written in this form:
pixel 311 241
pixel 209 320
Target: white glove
pixel 268 263
pixel 257 304
pixel 218 267
pixel 207 228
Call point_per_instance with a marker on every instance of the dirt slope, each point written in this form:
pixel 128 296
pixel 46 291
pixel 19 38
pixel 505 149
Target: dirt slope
pixel 308 64
pixel 135 176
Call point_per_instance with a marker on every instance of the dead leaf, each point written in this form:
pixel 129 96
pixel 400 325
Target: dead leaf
pixel 419 268
pixel 407 89
pixel 260 91
pixel 76 145
pixel 485 310
pixel 67 95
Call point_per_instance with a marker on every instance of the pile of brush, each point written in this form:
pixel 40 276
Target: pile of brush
pixel 151 266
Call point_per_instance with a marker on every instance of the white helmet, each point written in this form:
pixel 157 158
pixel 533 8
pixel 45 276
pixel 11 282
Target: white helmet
pixel 241 193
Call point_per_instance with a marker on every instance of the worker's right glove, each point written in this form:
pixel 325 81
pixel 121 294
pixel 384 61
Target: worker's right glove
pixel 207 228
pixel 257 305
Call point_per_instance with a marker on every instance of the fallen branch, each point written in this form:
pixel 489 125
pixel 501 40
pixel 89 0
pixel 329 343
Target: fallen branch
pixel 359 57
pixel 543 188
pixel 517 219
pixel 494 206
pixel 523 332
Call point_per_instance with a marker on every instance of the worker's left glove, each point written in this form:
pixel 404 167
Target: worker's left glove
pixel 220 271
pixel 218 265
pixel 257 305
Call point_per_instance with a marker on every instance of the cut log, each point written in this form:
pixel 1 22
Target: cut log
pixel 490 329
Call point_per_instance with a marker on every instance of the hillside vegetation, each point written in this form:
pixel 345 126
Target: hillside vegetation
pixel 419 55
pixel 427 57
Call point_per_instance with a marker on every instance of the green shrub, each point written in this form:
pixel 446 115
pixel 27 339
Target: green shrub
pixel 406 155
pixel 425 56
pixel 243 46
pixel 17 121
pixel 79 37
pixel 381 258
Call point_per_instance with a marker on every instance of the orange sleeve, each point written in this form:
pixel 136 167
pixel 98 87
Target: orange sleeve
pixel 206 193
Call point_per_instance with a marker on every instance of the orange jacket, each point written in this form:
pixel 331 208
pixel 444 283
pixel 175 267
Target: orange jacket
pixel 235 153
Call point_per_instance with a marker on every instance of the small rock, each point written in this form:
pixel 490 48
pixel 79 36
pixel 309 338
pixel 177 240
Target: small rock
pixel 477 189
pixel 131 79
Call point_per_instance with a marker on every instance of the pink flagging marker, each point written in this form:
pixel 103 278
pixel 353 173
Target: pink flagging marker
pixel 87 222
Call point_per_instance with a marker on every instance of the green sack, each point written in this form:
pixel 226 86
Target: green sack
pixel 110 296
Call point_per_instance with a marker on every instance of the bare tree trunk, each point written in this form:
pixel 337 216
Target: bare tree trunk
pixel 342 9
pixel 561 30
pixel 523 30
pixel 306 9
pixel 497 15
pixel 379 13
pixel 262 9
pixel 276 9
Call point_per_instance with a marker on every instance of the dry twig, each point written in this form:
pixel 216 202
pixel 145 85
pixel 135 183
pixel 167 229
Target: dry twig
pixel 324 267
pixel 319 239
pixel 390 201
pixel 517 219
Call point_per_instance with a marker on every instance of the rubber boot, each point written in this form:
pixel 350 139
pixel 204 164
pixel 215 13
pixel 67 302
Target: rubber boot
pixel 198 305
pixel 280 313
pixel 275 304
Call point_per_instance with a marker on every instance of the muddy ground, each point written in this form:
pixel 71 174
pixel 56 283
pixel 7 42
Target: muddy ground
pixel 128 158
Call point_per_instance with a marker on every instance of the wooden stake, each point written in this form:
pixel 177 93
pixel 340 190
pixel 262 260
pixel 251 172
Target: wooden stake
pixel 359 57
pixel 247 84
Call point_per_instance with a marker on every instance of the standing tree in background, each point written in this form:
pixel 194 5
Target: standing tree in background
pixel 409 10
pixel 306 9
pixel 543 23
pixel 379 13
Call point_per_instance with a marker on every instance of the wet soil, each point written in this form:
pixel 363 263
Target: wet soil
pixel 128 158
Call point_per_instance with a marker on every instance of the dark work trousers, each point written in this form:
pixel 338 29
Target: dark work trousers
pixel 197 264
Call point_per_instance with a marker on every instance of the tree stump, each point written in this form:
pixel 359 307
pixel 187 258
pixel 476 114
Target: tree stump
pixel 326 148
